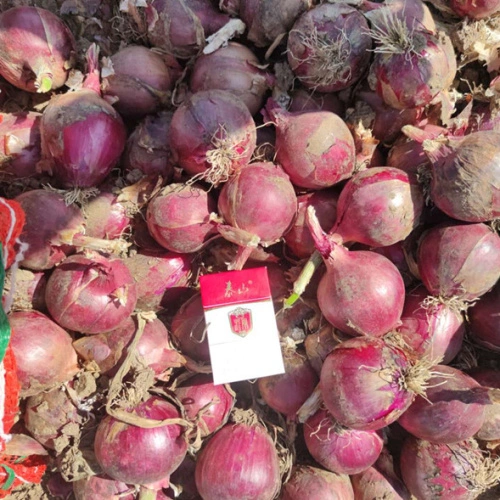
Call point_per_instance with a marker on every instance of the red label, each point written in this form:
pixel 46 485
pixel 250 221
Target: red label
pixel 234 287
pixel 240 320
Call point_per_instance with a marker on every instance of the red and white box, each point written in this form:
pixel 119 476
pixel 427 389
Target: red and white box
pixel 241 326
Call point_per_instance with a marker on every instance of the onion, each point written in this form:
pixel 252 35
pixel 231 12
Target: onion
pixel 235 69
pixel 355 278
pixel 118 445
pixel 432 329
pixel 43 361
pixel 368 383
pixel 407 155
pixel 426 61
pixel 315 148
pixel 36 49
pixel 239 461
pixel 302 101
pixel 484 320
pixel 147 149
pixel 287 392
pixel 450 412
pixel 101 487
pixel 91 294
pixel 83 136
pixel 179 217
pixel 459 260
pixel 316 484
pixel 183 477
pixel 464 176
pixel 378 207
pixel 140 82
pixel 266 21
pixel 20 147
pixel 328 47
pixel 458 471
pixel 340 449
pixel 298 239
pixel 159 278
pixel 490 430
pixel 203 400
pixel 477 9
pixel 319 345
pixel 212 134
pixel 396 253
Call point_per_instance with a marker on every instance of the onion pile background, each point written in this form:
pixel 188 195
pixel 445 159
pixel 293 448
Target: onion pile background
pixel 353 148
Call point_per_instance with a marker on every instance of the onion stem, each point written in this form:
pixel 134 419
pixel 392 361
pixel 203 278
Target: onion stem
pixel 304 278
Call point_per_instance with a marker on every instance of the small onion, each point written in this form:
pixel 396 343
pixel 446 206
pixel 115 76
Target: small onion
pixel 101 487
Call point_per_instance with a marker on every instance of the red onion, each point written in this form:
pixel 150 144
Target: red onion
pixel 159 278
pixel 319 345
pixel 302 101
pixel 147 148
pixel 490 430
pixel 83 136
pixel 378 207
pixel 432 329
pixel 411 67
pixel 183 477
pixel 396 253
pixel 340 449
pixel 47 413
pixel 212 134
pixel 203 400
pixel 140 82
pixel 459 260
pixel 450 412
pixel 189 330
pixel 368 383
pixel 287 392
pixel 43 361
pixel 239 461
pixel 484 320
pixel 138 455
pixel 93 294
pixel 298 239
pixel 36 49
pixel 235 69
pixel 109 349
pixel 20 148
pixel 316 484
pixel 464 176
pixel 243 206
pixel 328 47
pixel 101 487
pixel 407 155
pixel 266 20
pixel 179 217
pixel 440 471
pixel 315 148
pixel 355 278
pixel 477 9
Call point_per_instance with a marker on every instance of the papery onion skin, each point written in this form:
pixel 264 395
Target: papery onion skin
pixel 28 290
pixel 239 461
pixel 316 484
pixel 91 294
pixel 371 484
pixel 477 9
pixel 118 445
pixel 340 449
pixel 36 49
pixel 354 390
pixel 459 260
pixel 44 354
pixel 449 413
pixel 484 320
pixel 100 487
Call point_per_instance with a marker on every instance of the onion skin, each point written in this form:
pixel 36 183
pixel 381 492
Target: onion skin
pixel 100 487
pixel 372 484
pixel 44 355
pixel 439 471
pixel 36 49
pixel 378 207
pixel 490 430
pixel 340 449
pixel 484 320
pixel 315 148
pixel 239 461
pixel 83 138
pixel 316 484
pixel 233 68
pixel 459 260
pixel 465 176
pixel 91 295
pixel 343 30
pixel 477 9
pixel 303 101
pixel 118 445
pixel 450 413
pixel 242 205
pixel 354 391
pixel 179 217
